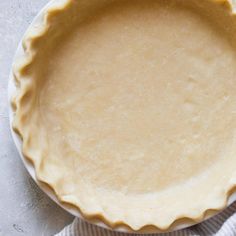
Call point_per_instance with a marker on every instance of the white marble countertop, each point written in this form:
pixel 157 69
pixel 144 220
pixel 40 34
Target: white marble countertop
pixel 24 208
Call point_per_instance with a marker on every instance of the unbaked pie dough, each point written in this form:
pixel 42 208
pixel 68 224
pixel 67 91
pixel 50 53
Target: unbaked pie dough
pixel 127 109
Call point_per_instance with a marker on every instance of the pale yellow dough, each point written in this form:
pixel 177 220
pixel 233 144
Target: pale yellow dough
pixel 128 108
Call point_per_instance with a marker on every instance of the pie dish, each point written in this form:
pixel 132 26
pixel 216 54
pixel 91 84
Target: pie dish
pixel 119 104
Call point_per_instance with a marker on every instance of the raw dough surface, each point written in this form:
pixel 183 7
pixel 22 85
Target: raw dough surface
pixel 136 102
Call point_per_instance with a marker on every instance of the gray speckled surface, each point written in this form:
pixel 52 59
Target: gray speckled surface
pixel 24 208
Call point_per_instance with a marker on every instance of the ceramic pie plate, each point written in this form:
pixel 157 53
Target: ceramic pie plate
pixel 218 197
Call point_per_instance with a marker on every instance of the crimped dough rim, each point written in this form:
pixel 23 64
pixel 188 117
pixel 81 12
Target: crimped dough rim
pixel 36 34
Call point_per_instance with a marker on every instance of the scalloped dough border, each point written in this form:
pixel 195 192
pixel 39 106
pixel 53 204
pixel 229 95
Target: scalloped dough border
pixel 35 34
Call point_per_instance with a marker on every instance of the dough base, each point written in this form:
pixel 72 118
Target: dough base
pixel 133 106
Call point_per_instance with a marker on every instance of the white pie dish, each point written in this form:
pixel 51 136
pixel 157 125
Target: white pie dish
pixel 31 170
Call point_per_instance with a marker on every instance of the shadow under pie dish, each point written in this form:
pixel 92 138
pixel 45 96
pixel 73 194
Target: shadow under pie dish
pixel 127 109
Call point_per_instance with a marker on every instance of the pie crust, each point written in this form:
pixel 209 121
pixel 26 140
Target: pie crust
pixel 127 109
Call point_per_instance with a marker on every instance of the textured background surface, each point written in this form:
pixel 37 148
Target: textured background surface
pixel 24 208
